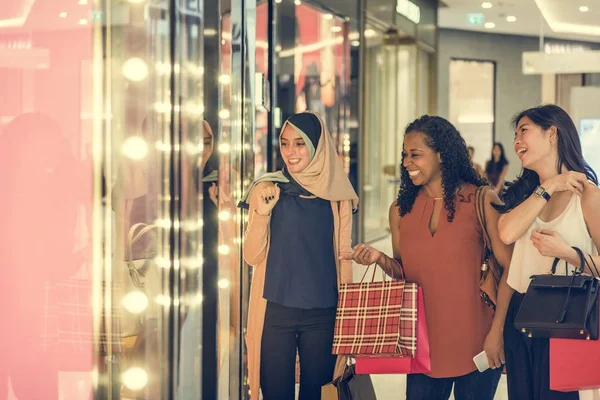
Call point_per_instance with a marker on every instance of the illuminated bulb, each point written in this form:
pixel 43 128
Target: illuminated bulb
pixel 82 2
pixel 223 283
pixel 278 1
pixel 163 300
pixel 162 262
pixel 135 378
pixel 63 15
pixel 225 79
pixel 135 69
pixel 224 249
pixel 486 5
pixel 135 302
pixel 297 2
pixel 135 148
pixel 336 29
pixel 355 43
pixel 225 215
pixel 584 9
pixel 490 25
pixel 370 33
pixel 83 21
pixel 224 148
pixel 210 32
pixel 224 114
pixel 511 18
pixel 328 16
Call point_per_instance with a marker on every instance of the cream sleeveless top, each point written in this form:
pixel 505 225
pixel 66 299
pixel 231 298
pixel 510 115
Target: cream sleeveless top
pixel 527 260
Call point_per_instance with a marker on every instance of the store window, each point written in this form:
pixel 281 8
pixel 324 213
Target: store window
pixel 471 101
pixel 312 71
pixel 104 148
pixel 391 90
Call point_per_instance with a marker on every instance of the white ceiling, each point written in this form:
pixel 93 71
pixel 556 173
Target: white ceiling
pixel 556 18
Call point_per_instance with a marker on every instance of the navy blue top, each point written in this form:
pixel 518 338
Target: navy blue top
pixel 301 269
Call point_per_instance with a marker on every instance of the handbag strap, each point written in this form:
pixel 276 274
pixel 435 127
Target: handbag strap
pixel 480 207
pixel 561 315
pixel 595 267
pixel 581 263
pixel 134 236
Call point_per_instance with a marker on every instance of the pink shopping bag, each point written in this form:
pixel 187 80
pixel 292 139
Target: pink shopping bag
pixel 421 364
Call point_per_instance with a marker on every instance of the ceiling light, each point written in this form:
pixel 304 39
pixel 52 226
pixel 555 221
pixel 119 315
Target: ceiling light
pixel 370 33
pixel 63 15
pixel 511 18
pixel 490 25
pixel 486 5
pixel 584 9
pixel 336 29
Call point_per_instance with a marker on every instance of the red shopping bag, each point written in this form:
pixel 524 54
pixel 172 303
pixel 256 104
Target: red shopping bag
pixel 574 364
pixel 421 364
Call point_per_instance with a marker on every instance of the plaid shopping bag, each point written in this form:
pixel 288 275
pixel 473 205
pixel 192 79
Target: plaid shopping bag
pixel 68 319
pixel 376 319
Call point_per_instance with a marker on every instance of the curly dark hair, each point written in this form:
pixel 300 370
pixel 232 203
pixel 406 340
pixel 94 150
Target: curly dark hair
pixel 456 165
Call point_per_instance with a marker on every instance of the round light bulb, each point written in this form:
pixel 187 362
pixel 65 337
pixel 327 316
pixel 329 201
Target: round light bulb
pixel 135 69
pixel 135 378
pixel 135 302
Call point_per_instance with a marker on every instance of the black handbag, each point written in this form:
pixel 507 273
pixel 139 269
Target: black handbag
pixel 560 306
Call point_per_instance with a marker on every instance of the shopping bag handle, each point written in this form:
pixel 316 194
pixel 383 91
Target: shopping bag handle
pixel 374 271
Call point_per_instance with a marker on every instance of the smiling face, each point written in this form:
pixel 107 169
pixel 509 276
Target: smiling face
pixel 532 143
pixel 421 161
pixel 294 150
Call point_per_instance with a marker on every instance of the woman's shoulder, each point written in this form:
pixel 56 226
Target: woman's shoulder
pixel 590 199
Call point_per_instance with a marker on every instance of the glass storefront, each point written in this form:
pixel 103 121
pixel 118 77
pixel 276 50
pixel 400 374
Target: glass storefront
pixel 130 129
pixel 398 88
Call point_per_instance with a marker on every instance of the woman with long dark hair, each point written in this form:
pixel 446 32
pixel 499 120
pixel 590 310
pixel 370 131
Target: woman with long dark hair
pixel 497 167
pixel 437 239
pixel 552 206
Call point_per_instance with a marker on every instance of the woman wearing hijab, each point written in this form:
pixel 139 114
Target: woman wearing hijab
pixel 300 222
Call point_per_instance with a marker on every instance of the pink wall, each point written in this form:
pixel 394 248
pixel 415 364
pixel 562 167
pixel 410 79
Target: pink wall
pixel 45 203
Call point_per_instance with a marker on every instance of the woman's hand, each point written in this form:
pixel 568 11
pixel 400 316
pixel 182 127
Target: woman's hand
pixel 267 199
pixel 567 181
pixel 551 244
pixel 494 348
pixel 363 254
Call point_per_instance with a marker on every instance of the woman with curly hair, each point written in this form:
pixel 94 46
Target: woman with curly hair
pixel 437 240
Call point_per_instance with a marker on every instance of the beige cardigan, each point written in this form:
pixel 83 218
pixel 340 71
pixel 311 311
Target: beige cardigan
pixel 256 249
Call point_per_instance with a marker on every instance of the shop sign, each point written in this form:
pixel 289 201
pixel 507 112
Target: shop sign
pixel 409 10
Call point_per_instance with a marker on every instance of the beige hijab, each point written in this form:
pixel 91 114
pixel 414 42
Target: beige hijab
pixel 324 176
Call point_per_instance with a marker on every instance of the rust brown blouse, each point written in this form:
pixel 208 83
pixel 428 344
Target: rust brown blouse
pixel 447 267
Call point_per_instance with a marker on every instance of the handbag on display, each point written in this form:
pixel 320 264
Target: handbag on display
pixel 560 306
pixel 141 283
pixel 491 270
pixel 376 319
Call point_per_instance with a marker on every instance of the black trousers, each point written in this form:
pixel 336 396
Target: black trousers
pixel 528 362
pixel 287 329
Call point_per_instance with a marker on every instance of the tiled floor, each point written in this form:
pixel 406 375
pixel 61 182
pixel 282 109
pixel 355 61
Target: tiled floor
pixel 393 387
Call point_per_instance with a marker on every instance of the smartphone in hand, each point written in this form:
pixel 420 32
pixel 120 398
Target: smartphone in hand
pixel 481 361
